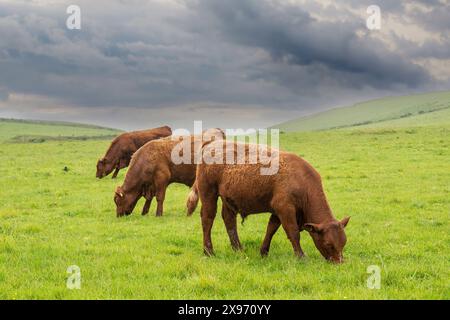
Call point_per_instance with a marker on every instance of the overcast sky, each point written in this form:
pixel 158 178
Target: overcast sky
pixel 231 63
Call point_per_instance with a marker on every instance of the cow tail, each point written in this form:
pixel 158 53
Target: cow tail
pixel 192 200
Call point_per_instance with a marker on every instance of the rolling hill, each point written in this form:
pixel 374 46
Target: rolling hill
pixel 414 110
pixel 15 130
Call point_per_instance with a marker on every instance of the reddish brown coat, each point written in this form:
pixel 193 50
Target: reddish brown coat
pixel 152 171
pixel 122 148
pixel 294 196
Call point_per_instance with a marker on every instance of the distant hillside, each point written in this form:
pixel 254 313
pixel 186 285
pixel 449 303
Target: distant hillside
pixel 16 130
pixel 414 110
pixel 57 123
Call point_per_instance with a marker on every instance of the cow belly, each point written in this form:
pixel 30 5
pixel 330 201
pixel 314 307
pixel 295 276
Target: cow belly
pixel 246 202
pixel 184 174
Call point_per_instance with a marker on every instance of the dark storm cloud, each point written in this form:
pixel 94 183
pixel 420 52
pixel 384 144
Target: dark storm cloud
pixel 236 54
pixel 292 36
pixel 42 57
pixel 439 49
pixel 121 57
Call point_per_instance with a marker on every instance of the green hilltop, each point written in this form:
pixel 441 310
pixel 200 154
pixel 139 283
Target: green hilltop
pixel 413 110
pixel 17 130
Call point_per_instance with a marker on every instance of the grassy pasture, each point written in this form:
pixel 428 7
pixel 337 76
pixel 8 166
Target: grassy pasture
pixel 393 182
pixel 406 109
pixel 27 130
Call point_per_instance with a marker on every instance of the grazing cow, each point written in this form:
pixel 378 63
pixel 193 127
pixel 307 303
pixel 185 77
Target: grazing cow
pixel 152 170
pixel 294 196
pixel 124 146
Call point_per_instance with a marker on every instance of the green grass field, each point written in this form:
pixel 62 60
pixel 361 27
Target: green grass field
pixel 406 109
pixel 393 181
pixel 15 131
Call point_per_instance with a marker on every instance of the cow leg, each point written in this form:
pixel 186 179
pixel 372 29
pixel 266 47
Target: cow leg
pixel 161 182
pixel 160 196
pixel 146 208
pixel 287 216
pixel 208 214
pixel 116 172
pixel 148 195
pixel 272 227
pixel 229 217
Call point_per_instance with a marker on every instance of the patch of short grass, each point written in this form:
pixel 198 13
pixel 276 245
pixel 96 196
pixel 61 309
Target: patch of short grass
pixel 394 185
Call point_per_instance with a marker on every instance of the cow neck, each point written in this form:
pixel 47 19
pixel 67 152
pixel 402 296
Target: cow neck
pixel 317 209
pixel 131 180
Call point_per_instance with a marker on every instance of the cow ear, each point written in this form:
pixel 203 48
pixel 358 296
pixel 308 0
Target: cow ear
pixel 119 191
pixel 344 221
pixel 312 227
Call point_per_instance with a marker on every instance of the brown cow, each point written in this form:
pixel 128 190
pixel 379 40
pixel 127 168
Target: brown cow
pixel 124 146
pixel 294 196
pixel 152 170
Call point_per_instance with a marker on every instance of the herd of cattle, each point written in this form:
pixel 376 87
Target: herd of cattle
pixel 294 195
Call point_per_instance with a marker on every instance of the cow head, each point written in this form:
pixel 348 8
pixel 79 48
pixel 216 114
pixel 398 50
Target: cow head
pixel 104 167
pixel 329 238
pixel 126 201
